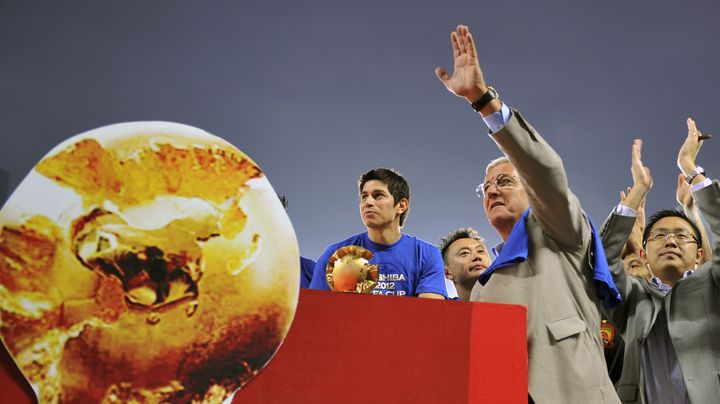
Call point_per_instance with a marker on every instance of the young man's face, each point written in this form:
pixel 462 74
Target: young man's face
pixel 377 206
pixel 678 252
pixel 465 260
pixel 504 197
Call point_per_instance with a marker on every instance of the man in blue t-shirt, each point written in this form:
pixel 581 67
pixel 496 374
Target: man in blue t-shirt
pixel 407 265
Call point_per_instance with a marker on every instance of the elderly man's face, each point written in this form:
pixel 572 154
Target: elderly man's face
pixel 504 197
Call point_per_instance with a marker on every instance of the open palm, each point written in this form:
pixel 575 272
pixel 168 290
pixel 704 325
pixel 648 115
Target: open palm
pixel 467 79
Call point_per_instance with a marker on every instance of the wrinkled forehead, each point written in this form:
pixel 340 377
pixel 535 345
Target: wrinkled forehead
pixel 502 168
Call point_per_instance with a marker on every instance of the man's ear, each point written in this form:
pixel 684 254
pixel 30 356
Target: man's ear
pixel 448 274
pixel 402 206
pixel 643 256
pixel 699 257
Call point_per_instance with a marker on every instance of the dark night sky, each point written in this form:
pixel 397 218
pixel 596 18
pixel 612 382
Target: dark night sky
pixel 317 92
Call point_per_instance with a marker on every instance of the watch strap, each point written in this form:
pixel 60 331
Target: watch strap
pixel 694 173
pixel 490 94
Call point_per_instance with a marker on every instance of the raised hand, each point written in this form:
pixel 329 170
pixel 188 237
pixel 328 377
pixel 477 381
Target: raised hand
pixel 634 243
pixel 683 193
pixel 467 79
pixel 685 198
pixel 641 174
pixel 642 180
pixel 690 148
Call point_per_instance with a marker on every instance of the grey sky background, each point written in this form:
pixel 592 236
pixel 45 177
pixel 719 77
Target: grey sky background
pixel 317 92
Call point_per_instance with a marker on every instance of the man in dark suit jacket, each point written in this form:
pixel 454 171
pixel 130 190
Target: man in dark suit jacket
pixel 671 323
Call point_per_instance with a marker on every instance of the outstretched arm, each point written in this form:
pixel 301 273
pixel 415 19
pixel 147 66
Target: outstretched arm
pixel 642 180
pixel 707 197
pixel 684 197
pixel 540 169
pixel 614 238
pixel 617 230
pixel 634 243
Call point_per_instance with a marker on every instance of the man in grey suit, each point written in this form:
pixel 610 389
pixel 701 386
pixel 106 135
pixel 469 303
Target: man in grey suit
pixel 670 324
pixel 544 260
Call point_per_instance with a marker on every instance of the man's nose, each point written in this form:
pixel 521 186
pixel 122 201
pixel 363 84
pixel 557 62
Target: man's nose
pixel 670 240
pixel 492 189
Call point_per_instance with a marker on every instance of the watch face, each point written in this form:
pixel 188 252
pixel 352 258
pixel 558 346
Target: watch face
pixel 493 92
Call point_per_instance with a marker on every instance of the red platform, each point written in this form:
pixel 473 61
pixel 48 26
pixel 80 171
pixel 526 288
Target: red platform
pixel 363 348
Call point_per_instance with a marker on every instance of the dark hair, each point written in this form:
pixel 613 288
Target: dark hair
pixel 283 200
pixel 397 185
pixel 671 213
pixel 455 235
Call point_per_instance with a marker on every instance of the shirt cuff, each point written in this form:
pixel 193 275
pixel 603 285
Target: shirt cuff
pixel 700 185
pixel 497 120
pixel 623 210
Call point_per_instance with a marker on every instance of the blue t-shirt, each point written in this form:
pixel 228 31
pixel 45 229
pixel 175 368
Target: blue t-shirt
pixel 407 267
pixel 306 271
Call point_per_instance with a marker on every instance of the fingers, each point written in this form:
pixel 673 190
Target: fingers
pixel 700 136
pixel 464 40
pixel 636 164
pixel 637 149
pixel 637 153
pixel 442 75
pixel 460 34
pixel 455 44
pixel 691 127
pixel 681 181
pixel 469 42
pixel 693 131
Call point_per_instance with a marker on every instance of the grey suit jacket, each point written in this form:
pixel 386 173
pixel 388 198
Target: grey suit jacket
pixel 692 311
pixel 565 353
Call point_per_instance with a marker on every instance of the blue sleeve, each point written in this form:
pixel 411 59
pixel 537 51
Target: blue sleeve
pixel 432 273
pixel 319 281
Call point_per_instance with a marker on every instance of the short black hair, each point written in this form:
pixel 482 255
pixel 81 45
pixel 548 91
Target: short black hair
pixel 283 200
pixel 661 214
pixel 396 183
pixel 455 235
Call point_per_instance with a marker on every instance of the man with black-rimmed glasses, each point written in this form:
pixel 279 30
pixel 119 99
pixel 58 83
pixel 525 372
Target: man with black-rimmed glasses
pixel 671 322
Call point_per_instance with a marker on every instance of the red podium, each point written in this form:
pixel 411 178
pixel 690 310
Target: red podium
pixel 361 348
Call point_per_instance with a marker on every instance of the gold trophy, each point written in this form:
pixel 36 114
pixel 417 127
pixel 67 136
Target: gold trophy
pixel 348 270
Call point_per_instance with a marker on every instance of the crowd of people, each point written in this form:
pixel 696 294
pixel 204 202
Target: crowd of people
pixel 656 283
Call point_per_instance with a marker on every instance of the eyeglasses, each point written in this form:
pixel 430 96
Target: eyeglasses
pixel 680 237
pixel 501 181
